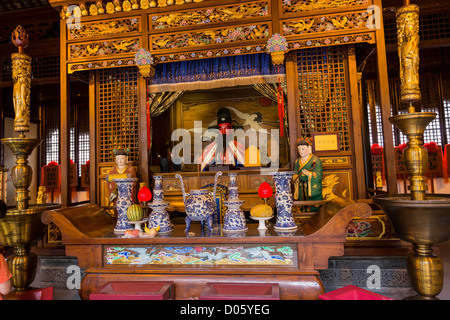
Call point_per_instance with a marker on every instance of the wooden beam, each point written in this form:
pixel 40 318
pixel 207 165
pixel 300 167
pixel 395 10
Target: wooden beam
pixel 93 185
pixel 385 104
pixel 142 125
pixel 358 152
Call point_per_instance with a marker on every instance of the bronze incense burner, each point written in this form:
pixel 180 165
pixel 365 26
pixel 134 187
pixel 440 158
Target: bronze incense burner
pixel 418 218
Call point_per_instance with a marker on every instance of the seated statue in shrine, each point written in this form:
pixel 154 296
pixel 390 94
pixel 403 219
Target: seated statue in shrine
pixel 120 171
pixel 308 174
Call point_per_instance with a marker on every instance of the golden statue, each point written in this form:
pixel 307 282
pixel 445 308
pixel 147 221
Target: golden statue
pixel 21 75
pixel 42 195
pixel 408 51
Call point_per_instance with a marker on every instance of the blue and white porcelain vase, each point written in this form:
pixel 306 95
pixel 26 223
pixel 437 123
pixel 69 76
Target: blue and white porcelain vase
pixel 159 216
pixel 234 219
pixel 284 201
pixel 124 200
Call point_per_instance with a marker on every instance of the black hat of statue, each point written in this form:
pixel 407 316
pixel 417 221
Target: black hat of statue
pixel 121 152
pixel 223 116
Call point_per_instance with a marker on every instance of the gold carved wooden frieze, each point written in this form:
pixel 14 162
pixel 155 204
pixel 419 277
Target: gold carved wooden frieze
pixel 101 64
pixel 195 39
pixel 325 23
pixel 210 15
pixel 105 28
pixel 301 6
pixel 326 41
pixel 103 48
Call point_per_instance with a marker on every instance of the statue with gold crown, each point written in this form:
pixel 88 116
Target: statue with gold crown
pixel 120 171
pixel 308 174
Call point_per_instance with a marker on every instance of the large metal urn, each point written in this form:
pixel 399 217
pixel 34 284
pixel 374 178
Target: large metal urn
pixel 418 218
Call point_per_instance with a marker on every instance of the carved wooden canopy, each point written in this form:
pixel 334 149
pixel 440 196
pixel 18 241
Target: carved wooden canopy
pixel 105 34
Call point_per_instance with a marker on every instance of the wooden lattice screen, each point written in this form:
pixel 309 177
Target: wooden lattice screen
pixel 323 97
pixel 118 112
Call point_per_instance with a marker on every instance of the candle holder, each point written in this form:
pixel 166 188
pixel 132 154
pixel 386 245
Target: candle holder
pixel 234 219
pixel 21 227
pixel 159 216
pixel 420 219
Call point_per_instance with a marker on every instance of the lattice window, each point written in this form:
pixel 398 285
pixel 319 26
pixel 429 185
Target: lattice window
pixel 371 91
pixel 41 68
pixel 430 103
pixel 118 112
pixel 79 134
pixel 432 27
pixel 430 100
pixel 83 136
pixel 52 116
pixel 323 97
pixel 446 103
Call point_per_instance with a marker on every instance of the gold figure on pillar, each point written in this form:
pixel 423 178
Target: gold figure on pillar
pixel 21 75
pixel 408 50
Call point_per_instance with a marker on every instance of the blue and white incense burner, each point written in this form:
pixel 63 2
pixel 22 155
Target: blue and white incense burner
pixel 284 201
pixel 234 219
pixel 159 216
pixel 199 204
pixel 124 200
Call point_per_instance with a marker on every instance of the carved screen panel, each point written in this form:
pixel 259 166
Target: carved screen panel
pixel 323 97
pixel 118 112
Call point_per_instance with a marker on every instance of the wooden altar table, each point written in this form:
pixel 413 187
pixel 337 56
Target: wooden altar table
pixel 291 259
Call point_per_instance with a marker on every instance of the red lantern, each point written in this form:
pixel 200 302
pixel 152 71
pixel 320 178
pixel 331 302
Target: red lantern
pixel 265 190
pixel 144 194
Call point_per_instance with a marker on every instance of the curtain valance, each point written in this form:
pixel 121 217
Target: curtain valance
pixel 216 72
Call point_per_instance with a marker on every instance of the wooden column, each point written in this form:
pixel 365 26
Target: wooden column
pixel 93 185
pixel 358 152
pixel 142 100
pixel 292 101
pixel 385 103
pixel 65 121
pixel 143 151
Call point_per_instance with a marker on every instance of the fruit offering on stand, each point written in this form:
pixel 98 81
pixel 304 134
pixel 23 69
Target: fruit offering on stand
pixel 261 210
pixel 135 212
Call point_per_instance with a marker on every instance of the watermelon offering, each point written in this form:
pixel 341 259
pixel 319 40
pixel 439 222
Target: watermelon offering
pixel 135 212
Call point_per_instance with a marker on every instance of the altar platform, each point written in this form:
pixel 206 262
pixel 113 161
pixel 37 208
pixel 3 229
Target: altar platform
pixel 290 258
